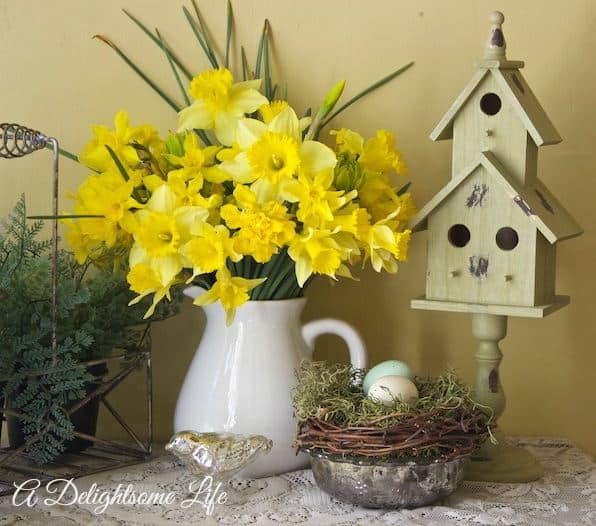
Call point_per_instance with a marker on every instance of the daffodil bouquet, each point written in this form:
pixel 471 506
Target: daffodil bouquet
pixel 243 199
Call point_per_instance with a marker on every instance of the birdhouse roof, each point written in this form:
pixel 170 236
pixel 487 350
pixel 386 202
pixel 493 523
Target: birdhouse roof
pixel 518 94
pixel 535 200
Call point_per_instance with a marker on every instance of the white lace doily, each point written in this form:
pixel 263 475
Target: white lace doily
pixel 565 496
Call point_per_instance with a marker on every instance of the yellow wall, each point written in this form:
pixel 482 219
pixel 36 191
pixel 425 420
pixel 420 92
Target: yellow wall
pixel 57 79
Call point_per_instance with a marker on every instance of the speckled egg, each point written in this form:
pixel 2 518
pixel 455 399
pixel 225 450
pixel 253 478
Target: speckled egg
pixel 387 388
pixel 388 368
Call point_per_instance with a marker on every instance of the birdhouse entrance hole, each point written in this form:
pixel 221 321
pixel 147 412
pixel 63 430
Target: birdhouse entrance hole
pixel 490 103
pixel 459 235
pixel 507 238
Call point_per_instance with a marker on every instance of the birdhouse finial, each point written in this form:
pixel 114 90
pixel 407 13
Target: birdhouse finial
pixel 495 45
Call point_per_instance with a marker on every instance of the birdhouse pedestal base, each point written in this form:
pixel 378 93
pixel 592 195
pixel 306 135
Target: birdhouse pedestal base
pixel 499 462
pixel 503 462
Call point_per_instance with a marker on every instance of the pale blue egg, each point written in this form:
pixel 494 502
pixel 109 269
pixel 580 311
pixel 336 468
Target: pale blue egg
pixel 388 368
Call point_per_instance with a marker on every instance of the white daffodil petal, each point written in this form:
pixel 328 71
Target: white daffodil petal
pixel 305 123
pixel 243 100
pixel 239 169
pixel 137 255
pixel 163 200
pixel 167 267
pixel 247 84
pixel 225 127
pixel 286 122
pixel 303 270
pixel 187 217
pixel 197 115
pixel 315 157
pixel 264 190
pixel 248 131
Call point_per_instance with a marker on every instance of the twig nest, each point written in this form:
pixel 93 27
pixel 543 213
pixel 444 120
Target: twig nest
pixel 388 389
pixel 387 368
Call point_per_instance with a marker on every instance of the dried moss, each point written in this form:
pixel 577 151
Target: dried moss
pixel 333 392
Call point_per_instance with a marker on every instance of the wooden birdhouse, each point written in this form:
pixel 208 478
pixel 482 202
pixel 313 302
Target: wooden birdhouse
pixel 493 229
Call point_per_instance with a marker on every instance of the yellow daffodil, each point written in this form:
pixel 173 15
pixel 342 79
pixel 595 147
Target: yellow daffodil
pixel 209 249
pixel 348 141
pixel 274 108
pixel 106 195
pixel 151 277
pixel 378 195
pixel 317 202
pixel 273 152
pixel 262 228
pixel 376 154
pixel 382 245
pixel 271 110
pixel 318 251
pixel 219 103
pixel 162 225
pixel 232 292
pixel 96 156
pixel 160 229
pixel 380 154
pixel 196 162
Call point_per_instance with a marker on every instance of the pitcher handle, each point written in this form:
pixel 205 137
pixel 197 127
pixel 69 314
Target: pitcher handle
pixel 356 347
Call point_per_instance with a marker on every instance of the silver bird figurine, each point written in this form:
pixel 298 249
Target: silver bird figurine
pixel 219 455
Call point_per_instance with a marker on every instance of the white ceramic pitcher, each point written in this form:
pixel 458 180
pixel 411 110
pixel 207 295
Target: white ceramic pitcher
pixel 242 376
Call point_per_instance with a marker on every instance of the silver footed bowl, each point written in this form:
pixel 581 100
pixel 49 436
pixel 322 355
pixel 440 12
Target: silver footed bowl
pixel 386 484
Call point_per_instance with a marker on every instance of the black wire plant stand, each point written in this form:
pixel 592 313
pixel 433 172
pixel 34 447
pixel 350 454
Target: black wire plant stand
pixel 15 466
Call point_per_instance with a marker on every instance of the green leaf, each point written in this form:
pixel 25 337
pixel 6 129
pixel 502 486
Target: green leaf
pixel 368 90
pixel 197 33
pixel 119 165
pixel 264 36
pixel 149 157
pixel 174 70
pixel 65 216
pixel 267 72
pixel 404 188
pixel 152 37
pixel 204 137
pixel 245 68
pixel 64 153
pixel 229 31
pixel 139 72
pixel 205 33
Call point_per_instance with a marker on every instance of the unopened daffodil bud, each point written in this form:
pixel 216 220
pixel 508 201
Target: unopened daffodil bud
pixel 174 144
pixel 348 174
pixel 332 98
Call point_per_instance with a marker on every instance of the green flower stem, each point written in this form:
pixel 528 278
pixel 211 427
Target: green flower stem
pixel 264 291
pixel 284 282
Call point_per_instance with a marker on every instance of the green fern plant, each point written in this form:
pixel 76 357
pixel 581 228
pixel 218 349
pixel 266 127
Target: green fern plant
pixel 93 320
